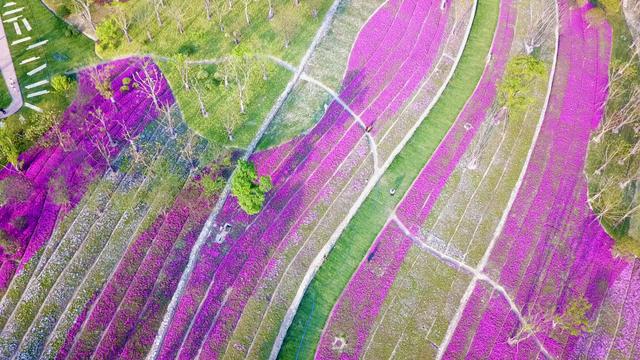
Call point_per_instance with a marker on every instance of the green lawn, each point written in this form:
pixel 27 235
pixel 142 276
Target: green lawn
pixel 303 335
pixel 203 39
pixel 65 50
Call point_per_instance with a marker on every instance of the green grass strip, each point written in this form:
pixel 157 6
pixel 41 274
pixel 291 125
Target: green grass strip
pixel 343 260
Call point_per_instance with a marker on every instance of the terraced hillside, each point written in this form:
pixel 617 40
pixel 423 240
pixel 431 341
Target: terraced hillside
pixel 417 186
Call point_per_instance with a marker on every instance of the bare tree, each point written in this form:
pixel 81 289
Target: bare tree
pixel 542 27
pixel 271 12
pixel 627 114
pixel 246 10
pixel 100 138
pixel 136 153
pixel 179 16
pixel 83 7
pixel 232 119
pixel 217 8
pixel 101 119
pixel 64 139
pixel 203 109
pixel 207 8
pixel 149 81
pixel 496 120
pixel 157 8
pixel 224 71
pixel 181 64
pixel 189 149
pixel 573 319
pixel 169 120
pixel 242 69
pixel 287 22
pixel 123 19
pixel 101 79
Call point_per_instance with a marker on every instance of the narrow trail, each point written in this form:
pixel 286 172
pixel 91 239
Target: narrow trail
pixel 319 259
pixel 306 77
pixel 210 223
pixel 9 75
pixel 477 274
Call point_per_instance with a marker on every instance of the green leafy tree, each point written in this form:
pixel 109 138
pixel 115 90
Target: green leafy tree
pixel 514 92
pixel 9 151
pixel 596 16
pixel 109 34
pixel 249 190
pixel 610 7
pixel 61 84
pixel 574 319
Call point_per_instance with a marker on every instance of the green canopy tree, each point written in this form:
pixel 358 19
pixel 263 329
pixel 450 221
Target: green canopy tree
pixel 514 92
pixel 108 34
pixel 248 188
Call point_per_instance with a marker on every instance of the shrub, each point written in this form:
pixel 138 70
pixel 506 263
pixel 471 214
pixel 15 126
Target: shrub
pixel 610 7
pixel 63 11
pixel 514 92
pixel 211 186
pixel 61 84
pixel 244 187
pixel 108 34
pixel 595 16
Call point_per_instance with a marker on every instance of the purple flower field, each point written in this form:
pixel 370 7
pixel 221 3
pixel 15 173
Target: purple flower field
pixel 552 250
pixel 28 219
pixel 359 304
pixel 227 273
pixel 436 206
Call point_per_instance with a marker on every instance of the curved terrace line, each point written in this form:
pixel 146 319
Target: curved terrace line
pixel 319 259
pixel 88 271
pixel 306 77
pixel 385 134
pixel 477 274
pixel 483 262
pixel 209 224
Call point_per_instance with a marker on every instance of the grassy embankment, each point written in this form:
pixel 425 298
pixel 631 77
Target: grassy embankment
pixel 609 198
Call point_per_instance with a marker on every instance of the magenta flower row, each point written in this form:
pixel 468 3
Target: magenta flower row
pixel 227 274
pixel 355 311
pixel 29 216
pixel 552 249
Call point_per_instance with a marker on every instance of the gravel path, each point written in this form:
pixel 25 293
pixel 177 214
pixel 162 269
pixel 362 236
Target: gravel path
pixel 9 75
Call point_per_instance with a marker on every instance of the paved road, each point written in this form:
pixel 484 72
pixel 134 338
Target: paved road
pixel 9 75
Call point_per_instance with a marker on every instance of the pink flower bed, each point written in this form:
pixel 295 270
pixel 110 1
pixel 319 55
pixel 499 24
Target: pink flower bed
pixel 63 352
pixel 126 315
pixel 29 218
pixel 357 308
pixel 233 268
pixel 552 249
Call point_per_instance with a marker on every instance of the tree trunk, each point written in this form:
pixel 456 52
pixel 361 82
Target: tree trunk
pixel 158 19
pixel 126 35
pixel 207 9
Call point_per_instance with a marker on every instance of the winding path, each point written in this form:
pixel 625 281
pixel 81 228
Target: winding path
pixel 210 224
pixel 9 75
